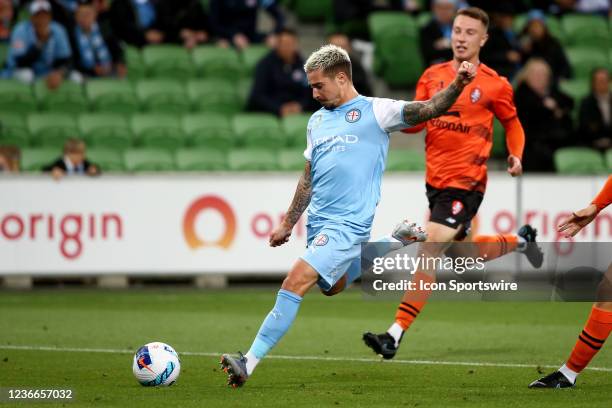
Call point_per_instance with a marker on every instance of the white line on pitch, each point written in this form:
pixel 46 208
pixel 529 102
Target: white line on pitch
pixel 311 358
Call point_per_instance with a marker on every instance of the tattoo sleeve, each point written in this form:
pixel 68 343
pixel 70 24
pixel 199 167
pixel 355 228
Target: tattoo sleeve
pixel 301 198
pixel 421 111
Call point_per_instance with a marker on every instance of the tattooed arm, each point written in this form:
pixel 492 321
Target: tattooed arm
pixel 421 111
pixel 300 202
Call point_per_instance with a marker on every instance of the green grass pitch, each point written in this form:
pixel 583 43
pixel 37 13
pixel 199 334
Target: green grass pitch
pixel 508 344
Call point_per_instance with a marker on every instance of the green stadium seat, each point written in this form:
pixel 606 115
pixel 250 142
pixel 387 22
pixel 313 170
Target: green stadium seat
pixel 105 130
pixel 217 62
pixel 244 89
pixel 162 95
pixel 579 160
pixel 209 130
pixel 405 160
pixel 586 30
pixel 13 130
pixel 576 88
pixel 584 60
pixel 201 160
pixel 259 130
pixel 498 150
pixel 106 159
pixel 399 61
pixel 250 56
pixel 214 95
pixel 111 95
pixel 16 96
pixel 291 160
pixel 68 98
pixel 136 68
pixel 313 10
pixel 158 130
pixel 608 156
pixel 391 23
pixel 423 19
pixel 252 160
pixel 295 129
pixel 51 129
pixel 167 61
pixel 148 160
pixel 4 47
pixel 36 159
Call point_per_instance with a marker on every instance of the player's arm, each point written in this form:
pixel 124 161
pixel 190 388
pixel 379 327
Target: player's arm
pixel 581 218
pixel 515 142
pixel 300 202
pixel 422 111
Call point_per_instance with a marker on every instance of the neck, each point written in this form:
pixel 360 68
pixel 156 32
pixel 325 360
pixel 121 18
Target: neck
pixel 475 60
pixel 350 94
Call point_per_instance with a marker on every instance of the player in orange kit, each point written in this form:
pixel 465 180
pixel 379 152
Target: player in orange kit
pixel 599 324
pixel 457 148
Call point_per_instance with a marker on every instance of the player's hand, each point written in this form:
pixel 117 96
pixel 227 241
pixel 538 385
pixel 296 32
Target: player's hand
pixel 465 73
pixel 515 168
pixel 280 235
pixel 577 221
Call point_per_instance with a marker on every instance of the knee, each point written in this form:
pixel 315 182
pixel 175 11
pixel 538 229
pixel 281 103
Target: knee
pixel 299 281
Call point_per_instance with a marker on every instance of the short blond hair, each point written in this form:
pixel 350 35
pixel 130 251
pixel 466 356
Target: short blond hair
pixel 330 59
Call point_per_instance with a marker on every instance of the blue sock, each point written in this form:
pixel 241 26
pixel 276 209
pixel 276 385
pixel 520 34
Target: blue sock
pixel 277 323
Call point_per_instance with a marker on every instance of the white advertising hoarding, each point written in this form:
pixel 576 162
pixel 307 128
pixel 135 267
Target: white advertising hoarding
pixel 220 223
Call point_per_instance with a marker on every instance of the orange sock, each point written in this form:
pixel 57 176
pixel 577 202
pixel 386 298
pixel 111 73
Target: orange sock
pixel 592 338
pixel 494 246
pixel 413 301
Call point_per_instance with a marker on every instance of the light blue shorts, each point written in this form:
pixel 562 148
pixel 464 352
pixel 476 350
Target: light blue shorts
pixel 331 250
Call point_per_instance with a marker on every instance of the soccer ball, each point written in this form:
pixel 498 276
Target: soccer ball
pixel 156 364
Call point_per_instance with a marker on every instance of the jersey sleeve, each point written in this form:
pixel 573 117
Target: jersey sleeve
pixel 389 114
pixel 604 198
pixel 503 106
pixel 308 150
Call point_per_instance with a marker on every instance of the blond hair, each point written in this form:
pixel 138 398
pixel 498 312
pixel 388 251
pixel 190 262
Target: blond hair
pixel 330 59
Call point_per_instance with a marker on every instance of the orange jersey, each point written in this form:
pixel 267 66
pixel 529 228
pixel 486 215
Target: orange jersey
pixel 458 143
pixel 604 198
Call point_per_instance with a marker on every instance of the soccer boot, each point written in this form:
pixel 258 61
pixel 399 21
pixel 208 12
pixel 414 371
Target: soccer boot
pixel 382 344
pixel 532 251
pixel 235 368
pixel 554 380
pixel 409 232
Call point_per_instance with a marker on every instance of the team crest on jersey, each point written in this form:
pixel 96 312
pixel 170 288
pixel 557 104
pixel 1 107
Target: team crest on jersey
pixel 353 115
pixel 456 207
pixel 475 95
pixel 320 240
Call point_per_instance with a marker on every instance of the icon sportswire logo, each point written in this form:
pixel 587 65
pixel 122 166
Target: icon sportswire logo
pixel 205 203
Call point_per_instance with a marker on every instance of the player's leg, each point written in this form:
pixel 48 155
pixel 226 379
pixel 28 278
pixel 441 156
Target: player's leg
pixel 524 241
pixel 301 278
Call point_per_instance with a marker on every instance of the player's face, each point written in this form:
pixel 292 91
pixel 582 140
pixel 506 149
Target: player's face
pixel 468 37
pixel 325 90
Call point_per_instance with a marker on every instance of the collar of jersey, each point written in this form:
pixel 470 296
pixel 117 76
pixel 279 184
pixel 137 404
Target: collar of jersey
pixel 349 103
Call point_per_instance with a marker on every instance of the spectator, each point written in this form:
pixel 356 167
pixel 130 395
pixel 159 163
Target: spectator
pixel 595 123
pixel 352 14
pixel 536 41
pixel 73 162
pixel 7 12
pixel 280 85
pixel 234 22
pixel 9 159
pixel 91 56
pixel 360 77
pixel 501 51
pixel 137 22
pixel 544 113
pixel 186 22
pixel 39 48
pixel 435 37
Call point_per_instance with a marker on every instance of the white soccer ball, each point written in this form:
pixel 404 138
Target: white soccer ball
pixel 156 364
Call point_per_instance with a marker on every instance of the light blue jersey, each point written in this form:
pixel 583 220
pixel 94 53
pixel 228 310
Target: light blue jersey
pixel 347 148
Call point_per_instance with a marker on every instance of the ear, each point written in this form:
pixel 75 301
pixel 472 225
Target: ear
pixel 341 78
pixel 484 39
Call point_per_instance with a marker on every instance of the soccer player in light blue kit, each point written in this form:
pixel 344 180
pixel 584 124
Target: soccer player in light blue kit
pixel 347 142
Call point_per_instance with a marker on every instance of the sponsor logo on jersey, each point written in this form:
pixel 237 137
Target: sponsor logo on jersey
pixel 455 127
pixel 353 115
pixel 320 240
pixel 475 95
pixel 456 207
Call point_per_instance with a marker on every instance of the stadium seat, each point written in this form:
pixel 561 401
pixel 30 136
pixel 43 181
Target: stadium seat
pixel 106 159
pixel 36 159
pixel 162 95
pixel 498 149
pixel 583 60
pixel 576 88
pixel 405 160
pixel 105 130
pixel 291 159
pixel 252 160
pixel 158 130
pixel 250 56
pixel 68 98
pixel 259 130
pixel 201 160
pixel 245 85
pixel 51 129
pixel 208 130
pixel 295 129
pixel 398 59
pixel 110 95
pixel 217 62
pixel 586 31
pixel 313 10
pixel 13 130
pixel 136 68
pixel 423 18
pixel 391 23
pixel 168 61
pixel 214 95
pixel 16 97
pixel 579 160
pixel 609 159
pixel 148 160
pixel 4 47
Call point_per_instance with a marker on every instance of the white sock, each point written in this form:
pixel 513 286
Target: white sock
pixel 569 373
pixel 522 244
pixel 251 363
pixel 396 332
